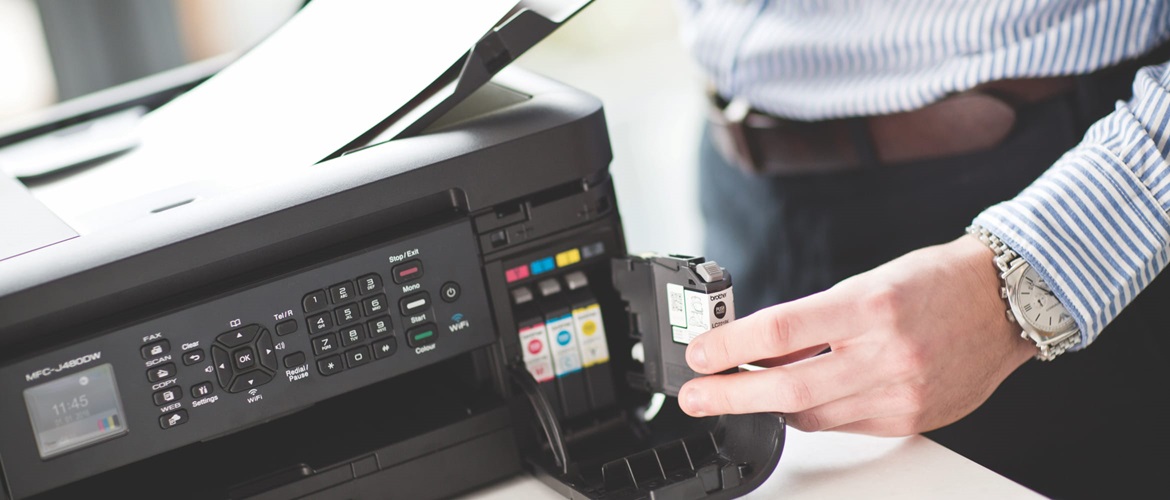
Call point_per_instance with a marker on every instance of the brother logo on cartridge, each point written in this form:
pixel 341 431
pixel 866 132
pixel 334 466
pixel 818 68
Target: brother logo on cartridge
pixel 672 299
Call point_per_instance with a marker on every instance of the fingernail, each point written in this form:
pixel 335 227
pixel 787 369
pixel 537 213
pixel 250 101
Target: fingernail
pixel 697 356
pixel 692 401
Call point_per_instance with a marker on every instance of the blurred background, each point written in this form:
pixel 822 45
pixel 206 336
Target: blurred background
pixel 627 53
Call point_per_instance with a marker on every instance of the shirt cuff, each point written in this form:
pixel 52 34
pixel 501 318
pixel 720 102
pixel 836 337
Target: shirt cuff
pixel 1092 229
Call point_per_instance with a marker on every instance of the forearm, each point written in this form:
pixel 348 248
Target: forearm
pixel 1095 225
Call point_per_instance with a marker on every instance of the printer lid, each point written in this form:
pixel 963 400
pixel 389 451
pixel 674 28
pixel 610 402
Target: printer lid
pixel 109 130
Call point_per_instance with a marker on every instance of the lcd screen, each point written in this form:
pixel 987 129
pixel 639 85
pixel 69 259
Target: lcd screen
pixel 75 411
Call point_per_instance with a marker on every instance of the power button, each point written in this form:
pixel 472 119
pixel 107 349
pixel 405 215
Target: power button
pixel 450 291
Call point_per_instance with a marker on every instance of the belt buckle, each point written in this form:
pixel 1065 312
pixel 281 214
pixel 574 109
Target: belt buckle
pixel 734 115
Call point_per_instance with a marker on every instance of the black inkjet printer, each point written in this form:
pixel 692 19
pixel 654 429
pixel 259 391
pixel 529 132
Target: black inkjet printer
pixel 423 313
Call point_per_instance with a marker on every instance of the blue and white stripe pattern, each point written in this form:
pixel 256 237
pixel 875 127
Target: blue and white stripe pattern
pixel 1095 225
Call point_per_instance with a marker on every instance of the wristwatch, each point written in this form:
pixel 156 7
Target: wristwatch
pixel 1031 303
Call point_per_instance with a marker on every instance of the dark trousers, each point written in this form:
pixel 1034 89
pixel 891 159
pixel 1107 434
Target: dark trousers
pixel 1090 424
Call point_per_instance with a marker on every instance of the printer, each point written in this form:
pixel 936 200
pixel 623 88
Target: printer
pixel 410 318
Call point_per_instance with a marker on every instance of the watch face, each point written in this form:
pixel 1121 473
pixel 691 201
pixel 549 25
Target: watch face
pixel 1038 305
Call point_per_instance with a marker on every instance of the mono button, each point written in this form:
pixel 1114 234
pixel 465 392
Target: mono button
pixel 415 303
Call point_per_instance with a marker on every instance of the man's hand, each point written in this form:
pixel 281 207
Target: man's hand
pixel 916 344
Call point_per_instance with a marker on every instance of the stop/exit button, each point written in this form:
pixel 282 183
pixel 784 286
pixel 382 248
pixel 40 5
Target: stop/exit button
pixel 422 335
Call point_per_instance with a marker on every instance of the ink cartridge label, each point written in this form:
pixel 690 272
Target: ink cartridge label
pixel 537 357
pixel 694 313
pixel 562 337
pixel 591 335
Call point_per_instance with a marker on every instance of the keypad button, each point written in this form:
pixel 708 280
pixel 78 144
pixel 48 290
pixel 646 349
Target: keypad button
pixel 450 291
pixel 324 344
pixel 155 349
pixel 239 336
pixel 385 348
pixel 319 323
pixel 161 372
pixel 369 283
pixel 347 314
pixel 223 365
pixel 415 303
pixel 422 335
pixel 244 359
pixel 250 380
pixel 193 357
pixel 407 271
pixel 341 292
pixel 266 351
pixel 178 417
pixel 286 327
pixel 379 327
pixel 294 359
pixel 167 396
pixel 374 305
pixel 315 301
pixel 201 390
pixel 418 319
pixel 329 366
pixel 357 357
pixel 351 335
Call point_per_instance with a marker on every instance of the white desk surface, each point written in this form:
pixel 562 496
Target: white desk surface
pixel 832 465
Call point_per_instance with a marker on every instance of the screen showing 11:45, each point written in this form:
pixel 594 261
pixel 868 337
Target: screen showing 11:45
pixel 75 411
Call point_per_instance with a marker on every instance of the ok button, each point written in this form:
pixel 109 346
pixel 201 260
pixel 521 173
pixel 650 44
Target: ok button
pixel 244 358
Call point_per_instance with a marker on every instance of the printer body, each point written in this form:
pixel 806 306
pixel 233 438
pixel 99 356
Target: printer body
pixel 412 319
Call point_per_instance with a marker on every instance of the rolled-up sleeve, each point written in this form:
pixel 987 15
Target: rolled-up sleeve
pixel 1095 225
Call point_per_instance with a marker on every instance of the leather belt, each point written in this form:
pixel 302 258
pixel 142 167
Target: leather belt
pixel 967 122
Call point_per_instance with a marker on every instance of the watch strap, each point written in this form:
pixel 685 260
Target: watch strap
pixel 1005 260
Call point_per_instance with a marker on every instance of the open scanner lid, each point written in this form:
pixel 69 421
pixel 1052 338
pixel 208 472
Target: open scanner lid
pixel 43 149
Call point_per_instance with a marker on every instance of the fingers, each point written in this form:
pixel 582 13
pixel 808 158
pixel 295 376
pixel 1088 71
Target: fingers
pixel 786 389
pixel 792 357
pixel 867 413
pixel 774 332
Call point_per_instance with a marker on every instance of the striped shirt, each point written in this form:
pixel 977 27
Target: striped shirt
pixel 1095 225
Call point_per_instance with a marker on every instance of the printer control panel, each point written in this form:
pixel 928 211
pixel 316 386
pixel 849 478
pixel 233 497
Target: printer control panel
pixel 245 357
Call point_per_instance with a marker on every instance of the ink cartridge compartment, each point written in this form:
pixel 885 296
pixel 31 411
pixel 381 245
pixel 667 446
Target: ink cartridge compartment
pixel 585 356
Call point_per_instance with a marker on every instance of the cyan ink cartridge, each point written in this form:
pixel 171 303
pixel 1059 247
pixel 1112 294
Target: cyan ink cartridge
pixel 566 356
pixel 538 357
pixel 671 300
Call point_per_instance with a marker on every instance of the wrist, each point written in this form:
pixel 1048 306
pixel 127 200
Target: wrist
pixel 978 261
